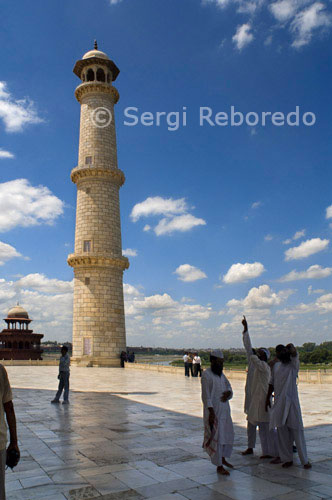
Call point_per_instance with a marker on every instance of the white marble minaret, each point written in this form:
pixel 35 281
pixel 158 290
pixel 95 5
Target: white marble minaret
pixel 98 323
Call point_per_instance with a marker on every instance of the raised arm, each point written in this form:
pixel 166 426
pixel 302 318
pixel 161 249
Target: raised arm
pixel 246 339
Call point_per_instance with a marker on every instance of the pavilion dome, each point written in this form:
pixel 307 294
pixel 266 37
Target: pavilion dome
pixel 95 53
pixel 17 312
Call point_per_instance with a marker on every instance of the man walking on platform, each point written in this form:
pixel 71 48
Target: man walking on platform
pixel 63 377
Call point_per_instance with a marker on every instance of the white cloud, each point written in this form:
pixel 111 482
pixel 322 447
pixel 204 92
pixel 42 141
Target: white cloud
pixel 301 18
pixel 16 113
pixel 324 303
pixel 239 273
pixel 284 10
pixel 180 223
pixel 41 283
pixel 268 237
pixel 243 36
pixel 309 20
pixel 130 291
pixel 7 252
pixel 261 297
pixel 296 236
pixel 157 205
pixel 51 312
pixel 189 273
pixel 313 272
pixel 114 2
pixel 299 234
pixel 176 215
pixel 22 204
pixel 329 212
pixel 256 204
pixel 318 291
pixel 307 248
pixel 129 252
pixel 163 307
pixel 5 154
pixel 242 6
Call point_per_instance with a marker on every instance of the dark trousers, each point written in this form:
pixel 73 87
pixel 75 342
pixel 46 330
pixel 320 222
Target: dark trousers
pixel 197 370
pixel 63 385
pixel 186 369
pixel 191 369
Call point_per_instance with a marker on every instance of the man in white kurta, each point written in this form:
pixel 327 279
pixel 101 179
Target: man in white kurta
pixel 257 385
pixel 286 411
pixel 218 425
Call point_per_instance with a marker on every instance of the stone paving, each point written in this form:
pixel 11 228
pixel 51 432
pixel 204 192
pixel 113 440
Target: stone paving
pixel 135 435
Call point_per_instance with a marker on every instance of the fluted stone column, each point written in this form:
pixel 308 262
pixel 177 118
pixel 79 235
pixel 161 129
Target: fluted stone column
pixel 98 317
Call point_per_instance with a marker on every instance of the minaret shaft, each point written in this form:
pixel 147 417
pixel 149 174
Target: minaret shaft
pixel 98 315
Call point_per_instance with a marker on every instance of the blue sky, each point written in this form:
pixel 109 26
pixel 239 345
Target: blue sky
pixel 223 220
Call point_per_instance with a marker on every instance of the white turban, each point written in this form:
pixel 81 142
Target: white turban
pixel 267 352
pixel 217 354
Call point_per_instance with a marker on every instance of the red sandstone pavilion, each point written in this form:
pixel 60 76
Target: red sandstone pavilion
pixel 17 341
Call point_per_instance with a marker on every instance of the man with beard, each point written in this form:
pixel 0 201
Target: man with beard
pixel 286 411
pixel 218 425
pixel 257 387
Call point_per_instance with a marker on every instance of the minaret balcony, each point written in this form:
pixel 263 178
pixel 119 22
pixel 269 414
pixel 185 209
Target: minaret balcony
pixel 93 260
pixel 115 174
pixel 96 88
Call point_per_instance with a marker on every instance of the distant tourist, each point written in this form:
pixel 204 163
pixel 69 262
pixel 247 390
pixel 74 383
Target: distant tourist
pixel 186 364
pixel 6 407
pixel 197 365
pixel 131 357
pixel 257 386
pixel 123 358
pixel 190 364
pixel 218 425
pixel 286 412
pixel 63 377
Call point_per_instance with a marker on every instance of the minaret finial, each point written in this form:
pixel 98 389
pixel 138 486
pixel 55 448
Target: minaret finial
pixel 96 45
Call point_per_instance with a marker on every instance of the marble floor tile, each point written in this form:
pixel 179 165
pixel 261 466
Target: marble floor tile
pixel 134 478
pixel 202 493
pixel 119 441
pixel 166 487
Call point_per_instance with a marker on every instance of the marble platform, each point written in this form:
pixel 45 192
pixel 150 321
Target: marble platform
pixel 130 434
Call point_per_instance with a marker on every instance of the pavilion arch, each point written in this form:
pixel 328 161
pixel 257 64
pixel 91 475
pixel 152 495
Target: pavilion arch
pixel 90 75
pixel 100 75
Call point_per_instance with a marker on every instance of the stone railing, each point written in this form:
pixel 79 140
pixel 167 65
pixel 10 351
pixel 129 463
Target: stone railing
pixel 305 376
pixel 29 362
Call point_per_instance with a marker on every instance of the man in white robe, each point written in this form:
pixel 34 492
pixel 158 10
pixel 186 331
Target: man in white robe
pixel 257 387
pixel 286 411
pixel 218 425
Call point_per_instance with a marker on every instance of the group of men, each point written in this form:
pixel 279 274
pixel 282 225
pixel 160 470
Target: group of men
pixel 280 424
pixel 192 364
